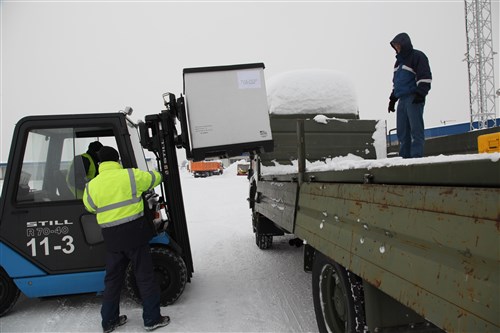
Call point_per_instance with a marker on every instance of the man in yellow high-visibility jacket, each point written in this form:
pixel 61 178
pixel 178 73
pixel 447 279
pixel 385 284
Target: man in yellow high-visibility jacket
pixel 83 169
pixel 115 197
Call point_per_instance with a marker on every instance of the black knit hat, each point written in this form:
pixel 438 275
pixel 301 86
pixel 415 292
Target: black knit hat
pixel 108 154
pixel 95 146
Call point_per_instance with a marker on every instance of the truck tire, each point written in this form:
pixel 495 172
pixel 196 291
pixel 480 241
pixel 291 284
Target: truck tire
pixel 171 274
pixel 263 241
pixel 9 293
pixel 337 296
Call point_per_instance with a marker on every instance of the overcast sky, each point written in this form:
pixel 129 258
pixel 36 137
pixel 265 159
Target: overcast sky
pixel 96 56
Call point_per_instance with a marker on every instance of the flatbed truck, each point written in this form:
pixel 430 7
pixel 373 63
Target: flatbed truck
pixel 393 245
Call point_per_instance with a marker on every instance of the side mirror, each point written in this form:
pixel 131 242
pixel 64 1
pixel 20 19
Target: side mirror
pixel 146 140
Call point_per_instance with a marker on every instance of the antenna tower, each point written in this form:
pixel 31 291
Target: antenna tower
pixel 480 63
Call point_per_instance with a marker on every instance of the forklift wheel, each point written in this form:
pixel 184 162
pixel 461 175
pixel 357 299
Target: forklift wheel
pixel 8 293
pixel 171 274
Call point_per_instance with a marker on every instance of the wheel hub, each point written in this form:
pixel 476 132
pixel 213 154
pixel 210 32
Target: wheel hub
pixel 163 277
pixel 333 300
pixel 338 301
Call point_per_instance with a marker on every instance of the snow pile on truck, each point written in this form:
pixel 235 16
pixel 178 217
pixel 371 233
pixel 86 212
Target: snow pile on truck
pixel 353 162
pixel 311 91
pixel 324 104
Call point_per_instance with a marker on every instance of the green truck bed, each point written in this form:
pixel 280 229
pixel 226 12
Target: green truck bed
pixel 424 232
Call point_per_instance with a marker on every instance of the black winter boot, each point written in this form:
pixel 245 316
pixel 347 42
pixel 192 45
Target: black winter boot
pixel 164 321
pixel 121 321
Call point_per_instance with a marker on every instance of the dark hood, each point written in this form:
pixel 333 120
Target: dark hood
pixel 404 40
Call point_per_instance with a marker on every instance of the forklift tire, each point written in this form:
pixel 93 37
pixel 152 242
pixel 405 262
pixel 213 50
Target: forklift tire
pixel 337 297
pixel 9 293
pixel 171 274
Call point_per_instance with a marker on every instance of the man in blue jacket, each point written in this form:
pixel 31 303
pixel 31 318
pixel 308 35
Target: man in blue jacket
pixel 411 84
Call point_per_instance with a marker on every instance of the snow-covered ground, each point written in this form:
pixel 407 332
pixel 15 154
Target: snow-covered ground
pixel 235 287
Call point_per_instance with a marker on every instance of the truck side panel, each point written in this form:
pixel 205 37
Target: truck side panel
pixel 433 248
pixel 336 138
pixel 277 201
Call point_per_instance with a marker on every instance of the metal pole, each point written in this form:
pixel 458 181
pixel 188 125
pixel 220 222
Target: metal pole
pixel 301 150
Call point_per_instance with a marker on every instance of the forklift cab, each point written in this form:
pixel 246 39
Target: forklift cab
pixel 45 231
pixel 50 152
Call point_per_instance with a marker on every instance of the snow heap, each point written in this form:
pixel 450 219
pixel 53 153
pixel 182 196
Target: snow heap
pixel 311 91
pixel 351 162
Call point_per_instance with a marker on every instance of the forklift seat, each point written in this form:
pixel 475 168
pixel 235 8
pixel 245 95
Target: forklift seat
pixel 62 186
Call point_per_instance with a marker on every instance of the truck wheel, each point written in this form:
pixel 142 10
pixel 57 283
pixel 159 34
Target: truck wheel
pixel 171 274
pixel 9 293
pixel 263 241
pixel 338 303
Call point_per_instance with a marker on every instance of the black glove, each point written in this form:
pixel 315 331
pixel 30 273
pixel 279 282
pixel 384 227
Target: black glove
pixel 392 106
pixel 418 99
pixel 392 103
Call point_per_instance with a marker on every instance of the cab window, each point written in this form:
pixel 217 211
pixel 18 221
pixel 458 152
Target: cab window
pixel 57 164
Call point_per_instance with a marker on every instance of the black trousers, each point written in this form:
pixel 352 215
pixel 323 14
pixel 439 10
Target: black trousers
pixel 116 265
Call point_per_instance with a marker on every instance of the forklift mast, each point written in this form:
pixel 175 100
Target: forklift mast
pixel 159 135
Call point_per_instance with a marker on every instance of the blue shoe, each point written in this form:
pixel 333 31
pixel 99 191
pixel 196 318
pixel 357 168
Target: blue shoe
pixel 121 321
pixel 164 321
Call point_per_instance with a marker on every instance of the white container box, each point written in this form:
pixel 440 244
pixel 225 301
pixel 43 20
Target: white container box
pixel 227 110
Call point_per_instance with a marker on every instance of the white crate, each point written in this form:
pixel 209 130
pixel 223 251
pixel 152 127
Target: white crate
pixel 227 110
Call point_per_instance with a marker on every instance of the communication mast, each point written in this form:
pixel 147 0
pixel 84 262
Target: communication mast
pixel 480 63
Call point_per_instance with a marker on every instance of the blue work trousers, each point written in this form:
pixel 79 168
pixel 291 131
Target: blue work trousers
pixel 410 127
pixel 116 265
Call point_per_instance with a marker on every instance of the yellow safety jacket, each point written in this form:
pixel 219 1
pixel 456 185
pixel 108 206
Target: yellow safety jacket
pixel 91 173
pixel 115 194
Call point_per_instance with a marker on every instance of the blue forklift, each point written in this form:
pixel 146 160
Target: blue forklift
pixel 51 246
